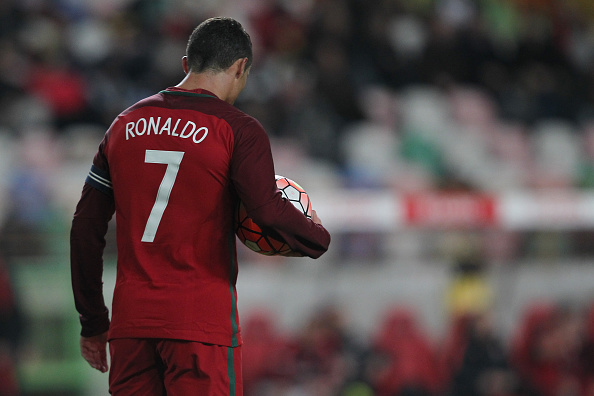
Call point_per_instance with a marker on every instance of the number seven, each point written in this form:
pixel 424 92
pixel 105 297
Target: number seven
pixel 172 159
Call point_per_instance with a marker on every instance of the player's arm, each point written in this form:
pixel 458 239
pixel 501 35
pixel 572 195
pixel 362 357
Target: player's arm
pixel 253 175
pixel 304 236
pixel 87 242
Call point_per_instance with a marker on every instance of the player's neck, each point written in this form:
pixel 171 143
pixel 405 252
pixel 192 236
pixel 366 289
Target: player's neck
pixel 217 83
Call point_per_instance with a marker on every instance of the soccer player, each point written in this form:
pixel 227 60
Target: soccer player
pixel 172 167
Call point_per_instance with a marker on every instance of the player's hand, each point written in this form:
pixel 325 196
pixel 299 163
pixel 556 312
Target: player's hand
pixel 94 351
pixel 315 218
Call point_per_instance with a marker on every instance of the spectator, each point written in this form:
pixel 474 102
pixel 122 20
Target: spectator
pixel 326 355
pixel 10 334
pixel 268 356
pixel 481 366
pixel 404 361
pixel 545 352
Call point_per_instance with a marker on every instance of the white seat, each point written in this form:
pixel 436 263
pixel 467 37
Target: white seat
pixel 557 151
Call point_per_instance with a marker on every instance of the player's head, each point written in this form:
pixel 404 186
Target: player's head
pixel 216 44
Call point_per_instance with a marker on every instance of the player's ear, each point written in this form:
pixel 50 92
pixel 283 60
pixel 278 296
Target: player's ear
pixel 240 67
pixel 185 64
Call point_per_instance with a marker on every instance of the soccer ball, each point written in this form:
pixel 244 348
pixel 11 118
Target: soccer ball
pixel 268 242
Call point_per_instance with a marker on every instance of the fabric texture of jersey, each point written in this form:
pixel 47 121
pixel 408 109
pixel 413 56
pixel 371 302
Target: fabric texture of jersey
pixel 173 167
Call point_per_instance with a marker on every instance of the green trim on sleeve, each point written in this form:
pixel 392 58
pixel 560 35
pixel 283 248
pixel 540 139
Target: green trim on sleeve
pixel 232 274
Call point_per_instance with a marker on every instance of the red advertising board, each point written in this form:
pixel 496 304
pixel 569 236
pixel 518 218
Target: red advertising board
pixel 450 210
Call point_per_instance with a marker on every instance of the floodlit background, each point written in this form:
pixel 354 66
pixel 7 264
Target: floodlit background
pixel 448 146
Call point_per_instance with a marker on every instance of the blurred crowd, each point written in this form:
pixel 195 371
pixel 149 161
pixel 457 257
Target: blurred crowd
pixel 550 353
pixel 483 95
pixel 408 95
pixel 338 79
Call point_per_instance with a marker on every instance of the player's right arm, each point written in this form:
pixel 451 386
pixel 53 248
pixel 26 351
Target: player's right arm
pixel 87 242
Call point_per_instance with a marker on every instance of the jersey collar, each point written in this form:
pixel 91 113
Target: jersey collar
pixel 201 93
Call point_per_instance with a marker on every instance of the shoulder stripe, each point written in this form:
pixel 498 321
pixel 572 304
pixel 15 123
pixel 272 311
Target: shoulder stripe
pixel 99 179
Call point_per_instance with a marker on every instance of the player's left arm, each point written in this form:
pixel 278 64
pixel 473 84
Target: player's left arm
pixel 253 176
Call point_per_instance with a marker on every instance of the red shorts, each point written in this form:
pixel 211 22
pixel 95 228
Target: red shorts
pixel 146 366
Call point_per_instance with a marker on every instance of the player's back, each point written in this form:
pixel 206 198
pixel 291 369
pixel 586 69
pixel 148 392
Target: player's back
pixel 169 159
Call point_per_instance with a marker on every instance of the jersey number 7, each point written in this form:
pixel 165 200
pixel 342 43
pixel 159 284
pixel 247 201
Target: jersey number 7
pixel 172 159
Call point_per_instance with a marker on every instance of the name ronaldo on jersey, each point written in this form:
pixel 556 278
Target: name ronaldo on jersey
pixel 144 127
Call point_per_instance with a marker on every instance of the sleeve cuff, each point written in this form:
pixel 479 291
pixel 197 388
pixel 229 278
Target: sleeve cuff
pixel 94 326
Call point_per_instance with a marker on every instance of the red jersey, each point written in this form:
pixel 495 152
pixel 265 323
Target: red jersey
pixel 173 167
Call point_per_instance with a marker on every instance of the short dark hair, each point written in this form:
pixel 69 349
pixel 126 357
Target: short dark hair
pixel 216 44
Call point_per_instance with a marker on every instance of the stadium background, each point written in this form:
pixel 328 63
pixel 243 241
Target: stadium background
pixel 448 145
